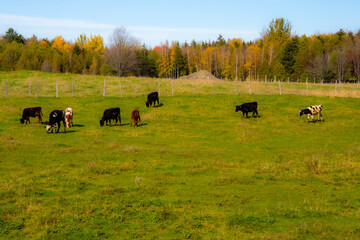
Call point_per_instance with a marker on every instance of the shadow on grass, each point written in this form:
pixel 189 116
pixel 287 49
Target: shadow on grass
pixel 139 125
pixel 160 105
pixel 78 125
pixel 315 121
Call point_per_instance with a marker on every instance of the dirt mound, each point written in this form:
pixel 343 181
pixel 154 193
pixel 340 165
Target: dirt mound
pixel 200 75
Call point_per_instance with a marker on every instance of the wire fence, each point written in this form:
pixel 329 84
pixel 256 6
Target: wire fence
pixel 133 87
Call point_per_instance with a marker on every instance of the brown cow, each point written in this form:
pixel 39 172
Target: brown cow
pixel 69 117
pixel 135 118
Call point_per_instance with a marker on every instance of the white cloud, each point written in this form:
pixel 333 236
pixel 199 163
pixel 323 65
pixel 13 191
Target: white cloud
pixel 49 22
pixel 152 35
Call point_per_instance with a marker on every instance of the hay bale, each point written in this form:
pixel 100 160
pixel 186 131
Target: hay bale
pixel 200 75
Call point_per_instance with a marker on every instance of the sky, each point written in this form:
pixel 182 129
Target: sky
pixel 154 22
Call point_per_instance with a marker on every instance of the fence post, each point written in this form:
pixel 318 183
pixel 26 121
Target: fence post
pixel 236 85
pixel 307 87
pixel 213 92
pixel 57 89
pixel 37 89
pixel 280 87
pixel 288 80
pixel 265 78
pixel 274 78
pixel 120 88
pixel 104 89
pixel 30 87
pixel 335 87
pixel 159 86
pixel 249 85
pixel 172 87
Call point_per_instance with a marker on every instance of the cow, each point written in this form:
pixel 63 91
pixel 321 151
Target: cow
pixel 69 117
pixel 109 114
pixel 55 119
pixel 31 112
pixel 245 108
pixel 135 118
pixel 311 111
pixel 152 98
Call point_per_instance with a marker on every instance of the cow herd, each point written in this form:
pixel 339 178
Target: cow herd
pixel 66 117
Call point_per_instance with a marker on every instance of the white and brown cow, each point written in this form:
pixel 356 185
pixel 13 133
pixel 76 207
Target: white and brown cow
pixel 69 117
pixel 311 111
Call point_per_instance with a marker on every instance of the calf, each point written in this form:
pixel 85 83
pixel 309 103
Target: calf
pixel 152 98
pixel 69 117
pixel 55 119
pixel 135 118
pixel 245 108
pixel 31 112
pixel 109 114
pixel 311 111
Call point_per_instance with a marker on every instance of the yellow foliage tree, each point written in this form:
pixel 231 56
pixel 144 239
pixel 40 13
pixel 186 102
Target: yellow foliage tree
pixel 60 44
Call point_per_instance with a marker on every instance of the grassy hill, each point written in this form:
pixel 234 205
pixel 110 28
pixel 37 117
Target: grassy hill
pixel 194 170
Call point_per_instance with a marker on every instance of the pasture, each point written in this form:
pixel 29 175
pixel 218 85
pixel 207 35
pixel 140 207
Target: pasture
pixel 195 169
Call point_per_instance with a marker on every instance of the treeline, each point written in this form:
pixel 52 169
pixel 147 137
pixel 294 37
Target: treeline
pixel 278 53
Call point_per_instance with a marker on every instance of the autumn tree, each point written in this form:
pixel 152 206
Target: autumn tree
pixel 121 55
pixel 278 32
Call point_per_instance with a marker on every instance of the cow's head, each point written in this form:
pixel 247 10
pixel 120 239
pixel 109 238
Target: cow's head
pixel 147 104
pixel 22 120
pixel 101 123
pixel 237 108
pixel 301 113
pixel 49 128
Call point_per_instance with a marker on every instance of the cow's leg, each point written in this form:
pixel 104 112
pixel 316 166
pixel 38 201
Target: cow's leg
pixel 28 119
pixel 64 126
pixel 158 102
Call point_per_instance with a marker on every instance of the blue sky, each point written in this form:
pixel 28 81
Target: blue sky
pixel 154 22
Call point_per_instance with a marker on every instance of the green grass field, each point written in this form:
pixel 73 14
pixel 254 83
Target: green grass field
pixel 195 169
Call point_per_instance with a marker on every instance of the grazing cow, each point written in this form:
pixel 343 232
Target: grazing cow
pixel 55 119
pixel 152 98
pixel 311 111
pixel 31 112
pixel 135 118
pixel 245 108
pixel 69 117
pixel 109 114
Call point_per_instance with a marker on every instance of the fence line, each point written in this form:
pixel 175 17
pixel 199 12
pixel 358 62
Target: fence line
pixel 167 87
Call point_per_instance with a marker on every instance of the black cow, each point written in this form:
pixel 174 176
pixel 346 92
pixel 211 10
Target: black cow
pixel 152 98
pixel 31 112
pixel 55 119
pixel 109 114
pixel 248 107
